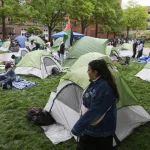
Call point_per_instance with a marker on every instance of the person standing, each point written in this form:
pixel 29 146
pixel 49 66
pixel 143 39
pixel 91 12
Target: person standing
pixel 97 124
pixel 27 43
pixel 134 48
pixel 62 52
pixel 32 45
pixel 140 49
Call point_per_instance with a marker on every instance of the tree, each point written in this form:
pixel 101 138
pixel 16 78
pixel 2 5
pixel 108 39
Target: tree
pixel 82 11
pixel 34 30
pixel 109 15
pixel 12 9
pixel 135 17
pixel 49 12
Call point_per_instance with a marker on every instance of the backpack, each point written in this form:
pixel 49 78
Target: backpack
pixel 39 116
pixel 6 84
pixel 55 71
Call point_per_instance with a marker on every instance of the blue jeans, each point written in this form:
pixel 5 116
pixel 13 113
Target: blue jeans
pixel 2 77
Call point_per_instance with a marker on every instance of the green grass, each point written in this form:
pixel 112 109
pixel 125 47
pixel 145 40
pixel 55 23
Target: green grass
pixel 16 133
pixel 147 44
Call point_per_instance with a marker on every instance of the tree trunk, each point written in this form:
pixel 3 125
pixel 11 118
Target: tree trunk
pixel 96 29
pixel 82 27
pixel 114 35
pixel 3 23
pixel 49 33
pixel 107 35
pixel 127 33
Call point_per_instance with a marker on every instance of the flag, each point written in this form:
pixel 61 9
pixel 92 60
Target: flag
pixel 71 38
pixel 67 35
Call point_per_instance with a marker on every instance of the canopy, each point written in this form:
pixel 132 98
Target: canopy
pixel 62 33
pixel 37 40
pixel 21 40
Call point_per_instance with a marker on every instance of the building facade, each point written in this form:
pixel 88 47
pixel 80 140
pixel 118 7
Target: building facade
pixel 13 30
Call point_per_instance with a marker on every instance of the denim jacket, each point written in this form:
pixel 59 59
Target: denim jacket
pixel 99 99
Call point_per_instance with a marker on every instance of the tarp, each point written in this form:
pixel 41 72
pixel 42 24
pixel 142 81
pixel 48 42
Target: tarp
pixel 62 33
pixel 144 74
pixel 83 46
pixel 21 40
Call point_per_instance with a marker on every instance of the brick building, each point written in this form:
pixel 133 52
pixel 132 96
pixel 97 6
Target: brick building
pixel 14 30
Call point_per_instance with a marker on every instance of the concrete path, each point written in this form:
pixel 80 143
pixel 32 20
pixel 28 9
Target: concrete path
pixel 146 51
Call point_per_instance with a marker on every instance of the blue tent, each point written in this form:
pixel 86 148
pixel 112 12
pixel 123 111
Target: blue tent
pixel 21 40
pixel 62 33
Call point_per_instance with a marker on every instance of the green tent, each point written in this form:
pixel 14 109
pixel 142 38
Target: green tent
pixel 65 102
pixel 127 46
pixel 6 44
pixel 57 43
pixel 37 40
pixel 145 72
pixel 78 75
pixel 84 46
pixel 38 63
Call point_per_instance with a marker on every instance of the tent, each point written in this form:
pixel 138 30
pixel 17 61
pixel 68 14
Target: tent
pixel 5 46
pixel 62 33
pixel 23 52
pixel 145 72
pixel 7 56
pixel 83 46
pixel 21 40
pixel 38 63
pixel 57 43
pixel 37 40
pixel 64 102
pixel 126 50
pixel 127 46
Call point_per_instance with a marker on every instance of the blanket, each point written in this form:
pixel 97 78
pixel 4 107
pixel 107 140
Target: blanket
pixel 22 84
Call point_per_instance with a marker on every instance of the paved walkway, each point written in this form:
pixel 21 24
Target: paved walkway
pixel 146 51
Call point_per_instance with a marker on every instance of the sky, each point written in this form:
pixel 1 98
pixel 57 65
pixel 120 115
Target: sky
pixel 141 2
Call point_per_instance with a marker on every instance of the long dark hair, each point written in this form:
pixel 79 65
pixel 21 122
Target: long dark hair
pixel 101 67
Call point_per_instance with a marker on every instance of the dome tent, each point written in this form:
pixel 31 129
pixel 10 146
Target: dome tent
pixel 38 63
pixel 64 103
pixel 83 46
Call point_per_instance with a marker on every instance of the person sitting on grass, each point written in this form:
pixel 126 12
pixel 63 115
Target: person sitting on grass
pixel 17 59
pixel 9 74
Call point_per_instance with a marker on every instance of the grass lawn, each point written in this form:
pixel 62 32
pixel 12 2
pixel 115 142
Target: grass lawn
pixel 147 44
pixel 16 133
